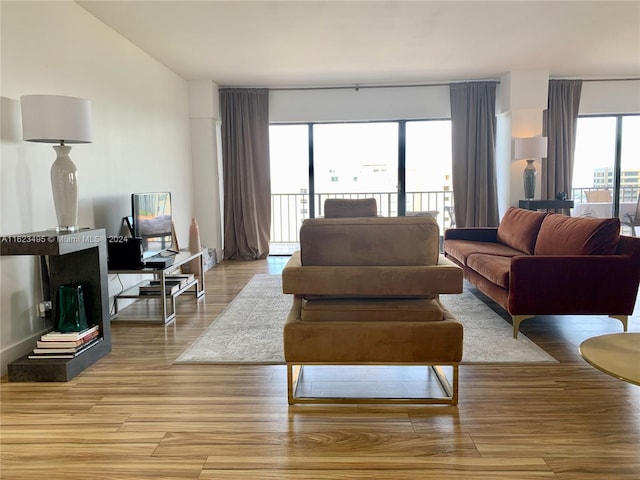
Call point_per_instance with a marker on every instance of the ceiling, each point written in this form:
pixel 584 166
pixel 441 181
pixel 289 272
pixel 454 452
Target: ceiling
pixel 335 43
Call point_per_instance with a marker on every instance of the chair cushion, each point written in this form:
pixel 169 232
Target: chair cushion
pixel 371 309
pixel 519 229
pixel 562 235
pixel 347 342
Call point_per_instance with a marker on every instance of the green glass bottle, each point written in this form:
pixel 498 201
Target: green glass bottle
pixel 71 315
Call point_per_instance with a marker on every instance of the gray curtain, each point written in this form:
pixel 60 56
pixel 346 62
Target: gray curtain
pixel 560 123
pixel 473 133
pixel 247 183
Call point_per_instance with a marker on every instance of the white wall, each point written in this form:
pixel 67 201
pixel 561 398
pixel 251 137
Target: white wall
pixel 338 105
pixel 610 97
pixel 141 139
pixel 523 99
pixel 204 110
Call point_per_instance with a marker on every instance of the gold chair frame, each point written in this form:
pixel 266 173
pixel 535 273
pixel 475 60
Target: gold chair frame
pixel 450 389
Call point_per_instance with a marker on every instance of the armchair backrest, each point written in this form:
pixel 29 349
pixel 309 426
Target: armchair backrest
pixel 370 257
pixel 350 207
pixel 370 241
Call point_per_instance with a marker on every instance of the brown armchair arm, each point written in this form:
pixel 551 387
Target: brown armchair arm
pixel 580 284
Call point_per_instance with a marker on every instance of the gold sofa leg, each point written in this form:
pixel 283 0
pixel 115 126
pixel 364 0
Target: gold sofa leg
pixel 624 319
pixel 517 320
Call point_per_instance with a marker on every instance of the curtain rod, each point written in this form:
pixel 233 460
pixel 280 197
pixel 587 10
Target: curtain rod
pixel 359 87
pixel 584 80
pixel 417 85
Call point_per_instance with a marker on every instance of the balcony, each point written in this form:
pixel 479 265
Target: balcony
pixel 288 210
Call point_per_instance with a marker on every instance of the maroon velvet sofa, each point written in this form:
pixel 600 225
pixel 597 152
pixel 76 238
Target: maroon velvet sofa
pixel 537 263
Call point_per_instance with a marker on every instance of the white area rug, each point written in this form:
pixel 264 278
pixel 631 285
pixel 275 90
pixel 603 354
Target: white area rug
pixel 249 330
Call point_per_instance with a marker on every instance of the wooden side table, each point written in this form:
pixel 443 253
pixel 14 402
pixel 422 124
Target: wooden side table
pixel 79 257
pixel 616 354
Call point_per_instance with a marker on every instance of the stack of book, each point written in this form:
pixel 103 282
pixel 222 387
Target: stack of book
pixel 172 283
pixel 66 345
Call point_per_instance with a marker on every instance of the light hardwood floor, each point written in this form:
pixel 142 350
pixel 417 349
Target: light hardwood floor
pixel 135 415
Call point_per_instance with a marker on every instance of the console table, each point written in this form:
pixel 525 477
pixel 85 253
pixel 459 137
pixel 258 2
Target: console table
pixel 545 204
pixel 196 286
pixel 79 257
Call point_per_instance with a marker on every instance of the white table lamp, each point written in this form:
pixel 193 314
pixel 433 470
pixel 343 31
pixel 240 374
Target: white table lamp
pixel 59 119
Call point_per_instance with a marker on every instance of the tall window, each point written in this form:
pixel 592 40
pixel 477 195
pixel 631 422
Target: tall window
pixel 606 174
pixel 390 161
pixel 594 156
pixel 289 154
pixel 356 160
pixel 630 159
pixel 428 170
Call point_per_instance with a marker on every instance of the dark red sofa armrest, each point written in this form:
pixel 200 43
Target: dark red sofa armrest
pixel 473 234
pixel 577 284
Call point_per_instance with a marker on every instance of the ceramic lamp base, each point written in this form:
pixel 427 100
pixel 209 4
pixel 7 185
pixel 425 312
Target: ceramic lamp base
pixel 529 178
pixel 64 184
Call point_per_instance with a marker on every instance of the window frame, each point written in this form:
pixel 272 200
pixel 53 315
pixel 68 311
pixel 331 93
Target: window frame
pixel 617 160
pixel 401 159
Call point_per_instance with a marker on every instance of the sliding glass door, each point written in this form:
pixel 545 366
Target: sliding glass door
pixel 428 170
pixel 629 194
pixel 356 160
pixel 606 173
pixel 289 152
pixel 404 165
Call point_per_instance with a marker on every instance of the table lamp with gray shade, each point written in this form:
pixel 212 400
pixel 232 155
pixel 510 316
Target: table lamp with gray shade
pixel 530 149
pixel 59 119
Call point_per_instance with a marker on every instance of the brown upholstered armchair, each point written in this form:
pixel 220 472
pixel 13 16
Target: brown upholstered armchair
pixel 366 292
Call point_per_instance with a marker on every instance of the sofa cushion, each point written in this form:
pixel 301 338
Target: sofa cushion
pixel 461 249
pixel 369 241
pixel 492 267
pixel 563 235
pixel 519 229
pixel 371 309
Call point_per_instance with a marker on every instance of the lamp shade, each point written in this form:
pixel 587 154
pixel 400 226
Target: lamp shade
pixel 532 147
pixel 55 119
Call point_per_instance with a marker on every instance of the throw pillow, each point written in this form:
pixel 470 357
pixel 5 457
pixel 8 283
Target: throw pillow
pixel 519 229
pixel 562 235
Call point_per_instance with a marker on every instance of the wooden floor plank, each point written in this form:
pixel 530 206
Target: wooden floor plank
pixel 336 442
pixel 360 474
pixel 136 415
